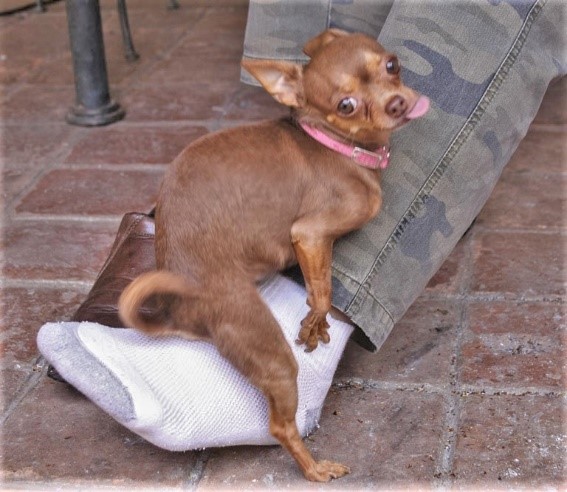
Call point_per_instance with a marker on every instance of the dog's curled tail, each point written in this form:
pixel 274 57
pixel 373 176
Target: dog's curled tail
pixel 142 288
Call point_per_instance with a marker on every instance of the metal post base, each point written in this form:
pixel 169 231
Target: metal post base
pixel 104 115
pixel 93 105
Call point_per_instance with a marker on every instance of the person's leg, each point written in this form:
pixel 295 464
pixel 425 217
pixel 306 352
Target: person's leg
pixel 279 30
pixel 485 66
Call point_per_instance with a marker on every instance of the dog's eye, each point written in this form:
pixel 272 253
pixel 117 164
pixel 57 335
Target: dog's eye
pixel 393 66
pixel 347 105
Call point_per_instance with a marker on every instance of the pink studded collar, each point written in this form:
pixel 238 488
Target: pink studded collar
pixel 377 159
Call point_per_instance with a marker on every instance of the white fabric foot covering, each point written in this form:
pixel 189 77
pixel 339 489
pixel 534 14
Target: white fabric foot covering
pixel 180 394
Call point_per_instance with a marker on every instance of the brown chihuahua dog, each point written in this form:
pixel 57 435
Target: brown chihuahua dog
pixel 242 203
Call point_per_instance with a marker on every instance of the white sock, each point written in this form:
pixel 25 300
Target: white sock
pixel 180 394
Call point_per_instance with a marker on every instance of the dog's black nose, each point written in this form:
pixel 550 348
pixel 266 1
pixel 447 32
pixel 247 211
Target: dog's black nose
pixel 396 107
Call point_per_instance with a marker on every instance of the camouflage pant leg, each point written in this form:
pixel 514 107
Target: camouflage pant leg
pixel 277 30
pixel 485 66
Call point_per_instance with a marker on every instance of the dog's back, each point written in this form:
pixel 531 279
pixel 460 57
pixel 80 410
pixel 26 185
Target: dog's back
pixel 228 207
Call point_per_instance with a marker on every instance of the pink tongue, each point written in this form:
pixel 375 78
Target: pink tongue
pixel 421 107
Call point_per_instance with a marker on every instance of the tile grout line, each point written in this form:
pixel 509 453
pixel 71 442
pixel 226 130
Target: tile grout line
pixel 472 390
pixel 547 231
pixel 452 419
pixel 197 471
pixel 39 368
pixel 41 283
pixel 152 167
pixel 86 219
pixel 428 388
pixel 549 127
pixel 210 123
pixel 374 384
pixel 488 297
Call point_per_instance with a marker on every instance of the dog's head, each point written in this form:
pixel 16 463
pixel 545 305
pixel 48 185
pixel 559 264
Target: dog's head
pixel 351 86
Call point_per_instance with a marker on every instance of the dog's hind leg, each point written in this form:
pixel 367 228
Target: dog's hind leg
pixel 250 337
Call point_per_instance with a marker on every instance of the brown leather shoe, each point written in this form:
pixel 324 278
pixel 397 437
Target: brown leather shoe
pixel 132 254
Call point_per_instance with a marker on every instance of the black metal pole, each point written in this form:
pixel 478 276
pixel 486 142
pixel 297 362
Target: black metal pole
pixel 93 105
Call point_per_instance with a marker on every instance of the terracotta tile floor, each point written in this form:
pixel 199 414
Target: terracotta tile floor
pixel 468 391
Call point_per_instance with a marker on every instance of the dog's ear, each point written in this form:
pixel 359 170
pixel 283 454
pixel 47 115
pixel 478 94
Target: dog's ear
pixel 282 79
pixel 315 44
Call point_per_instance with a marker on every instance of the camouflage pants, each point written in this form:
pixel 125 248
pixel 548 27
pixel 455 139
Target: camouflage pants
pixel 485 65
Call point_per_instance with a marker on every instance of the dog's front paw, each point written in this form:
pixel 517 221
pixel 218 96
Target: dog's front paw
pixel 313 328
pixel 324 470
